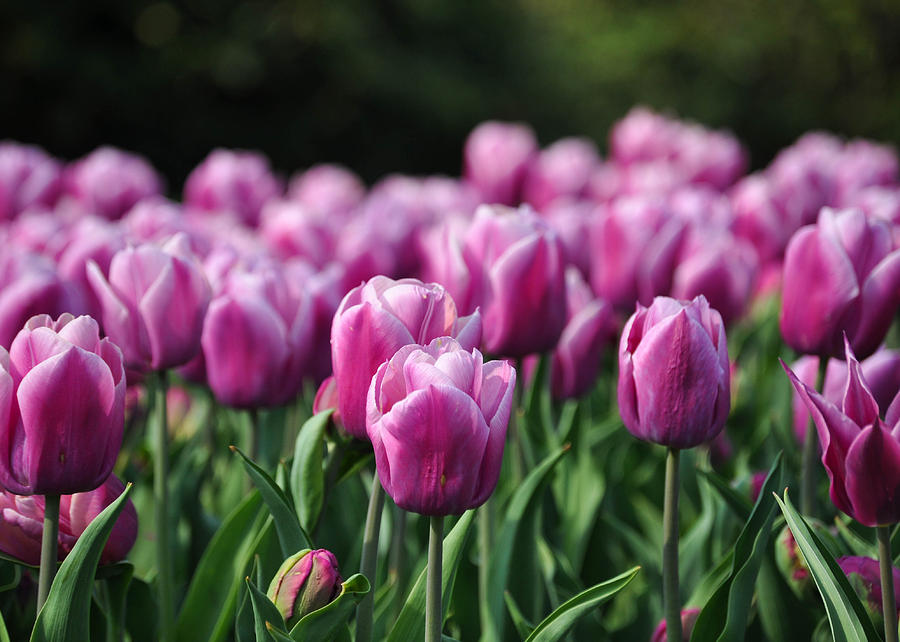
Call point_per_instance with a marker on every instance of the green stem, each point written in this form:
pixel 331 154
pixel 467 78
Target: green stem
pixel 369 561
pixel 888 604
pixel 811 451
pixel 433 611
pixel 671 599
pixel 397 563
pixel 159 385
pixel 49 548
pixel 485 520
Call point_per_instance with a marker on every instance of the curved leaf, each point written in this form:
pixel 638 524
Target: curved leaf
pixel 307 478
pixel 266 615
pixel 323 624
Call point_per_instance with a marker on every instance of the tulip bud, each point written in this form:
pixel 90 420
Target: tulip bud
pixel 306 582
pixel 437 417
pixel 62 407
pixel 496 157
pixel 792 565
pixel 674 383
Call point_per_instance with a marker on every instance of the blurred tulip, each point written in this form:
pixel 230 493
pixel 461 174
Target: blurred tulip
pixel 674 385
pixel 292 230
pixel 437 417
pixel 62 407
pixel 878 202
pixel 572 222
pixel 376 319
pixel 496 158
pixel 153 303
pixel 108 182
pixel 329 190
pixel 562 170
pixel 640 136
pixel 304 583
pixel 688 620
pixel 862 164
pixel 91 239
pixel 841 275
pixel 29 177
pixel 865 577
pixel 860 451
pixel 22 517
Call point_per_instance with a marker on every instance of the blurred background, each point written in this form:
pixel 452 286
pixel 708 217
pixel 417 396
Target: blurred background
pixel 396 85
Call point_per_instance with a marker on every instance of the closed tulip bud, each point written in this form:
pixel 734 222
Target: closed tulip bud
pixel 237 182
pixel 108 182
pixel 792 565
pixel 496 158
pixel 21 523
pixel 62 407
pixel 865 578
pixel 437 417
pixel 153 303
pixel 378 318
pixel 674 383
pixel 840 276
pixel 688 620
pixel 560 171
pixel 518 280
pixel 306 582
pixel 329 190
pixel 29 177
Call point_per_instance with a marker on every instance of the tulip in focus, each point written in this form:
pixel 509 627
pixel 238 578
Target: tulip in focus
pixel 306 582
pixel 62 407
pixel 496 157
pixel 674 384
pixel 378 318
pixel 841 275
pixel 21 523
pixel 437 417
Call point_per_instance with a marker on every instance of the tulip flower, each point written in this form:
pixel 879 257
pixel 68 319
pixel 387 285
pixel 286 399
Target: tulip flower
pixel 62 407
pixel 109 181
pixel 376 319
pixel 496 157
pixel 561 170
pixel 22 516
pixel 29 177
pixel 329 190
pixel 864 576
pixel 304 583
pixel 91 239
pixel 153 303
pixel 840 276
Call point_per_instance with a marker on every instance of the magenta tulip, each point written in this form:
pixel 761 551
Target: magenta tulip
pixel 153 303
pixel 840 276
pixel 496 157
pixel 62 407
pixel 304 583
pixel 22 516
pixel 29 177
pixel 437 417
pixel 860 451
pixel 674 383
pixel 562 170
pixel 378 318
pixel 329 190
pixel 865 577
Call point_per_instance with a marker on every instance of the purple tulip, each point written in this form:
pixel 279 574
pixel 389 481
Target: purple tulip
pixel 714 158
pixel 674 374
pixel 108 182
pixel 378 318
pixel 560 171
pixel 878 202
pixel 22 517
pixel 292 230
pixel 590 326
pixel 437 416
pixel 238 182
pixel 496 157
pixel 572 222
pixel 304 583
pixel 62 407
pixel 641 135
pixel 91 239
pixel 865 577
pixel 29 177
pixel 760 219
pixel 328 190
pixel 517 279
pixel 256 340
pixel 862 164
pixel 153 303
pixel 860 451
pixel 841 275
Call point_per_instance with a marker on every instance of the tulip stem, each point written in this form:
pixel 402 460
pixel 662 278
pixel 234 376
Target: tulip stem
pixel 485 519
pixel 397 563
pixel 369 561
pixel 49 548
pixel 158 386
pixel 811 450
pixel 433 606
pixel 671 599
pixel 888 604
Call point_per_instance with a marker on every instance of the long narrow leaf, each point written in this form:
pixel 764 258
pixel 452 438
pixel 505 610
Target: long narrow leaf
pixel 307 478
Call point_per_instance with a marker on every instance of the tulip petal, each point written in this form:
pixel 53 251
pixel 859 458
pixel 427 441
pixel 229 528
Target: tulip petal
pixel 859 404
pixel 873 477
pixel 121 321
pixel 498 387
pixel 878 305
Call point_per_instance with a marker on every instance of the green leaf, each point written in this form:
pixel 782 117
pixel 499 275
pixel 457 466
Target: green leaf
pixel 410 624
pixel 739 504
pixel 501 555
pixel 66 614
pixel 325 623
pixel 276 633
pixel 724 616
pixel 212 595
pixel 846 615
pixel 307 476
pixel 266 615
pixel 290 533
pixel 523 626
pixel 10 574
pixel 555 625
pixel 4 634
pixel 244 630
pixel 782 616
pixel 141 614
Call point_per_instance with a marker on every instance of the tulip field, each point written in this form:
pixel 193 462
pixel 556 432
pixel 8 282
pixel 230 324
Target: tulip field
pixel 636 394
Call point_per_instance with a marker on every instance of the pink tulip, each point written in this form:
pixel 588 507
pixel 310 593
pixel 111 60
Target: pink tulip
pixel 496 158
pixel 328 190
pixel 29 177
pixel 437 417
pixel 562 170
pixel 688 620
pixel 62 407
pixel 304 583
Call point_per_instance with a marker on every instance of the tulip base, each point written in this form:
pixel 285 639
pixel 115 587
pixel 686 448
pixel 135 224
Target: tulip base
pixel 433 605
pixel 888 604
pixel 671 598
pixel 49 547
pixel 369 561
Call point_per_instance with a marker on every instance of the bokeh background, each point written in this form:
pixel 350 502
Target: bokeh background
pixel 395 85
